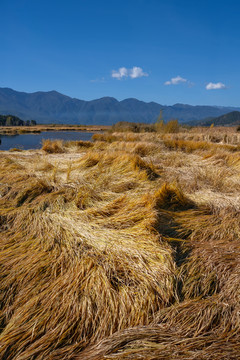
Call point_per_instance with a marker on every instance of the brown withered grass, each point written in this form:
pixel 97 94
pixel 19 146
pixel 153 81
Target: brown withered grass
pixel 191 145
pixel 122 248
pixel 55 146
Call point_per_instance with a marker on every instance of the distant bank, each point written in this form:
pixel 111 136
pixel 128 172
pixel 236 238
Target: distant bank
pixel 35 129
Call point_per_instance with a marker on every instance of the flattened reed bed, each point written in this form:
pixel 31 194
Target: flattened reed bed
pixel 66 278
pixel 103 258
pixel 162 342
pixel 205 324
pixel 191 145
pixel 218 135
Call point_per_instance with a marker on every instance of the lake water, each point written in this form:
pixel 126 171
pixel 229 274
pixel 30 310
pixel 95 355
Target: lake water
pixel 34 141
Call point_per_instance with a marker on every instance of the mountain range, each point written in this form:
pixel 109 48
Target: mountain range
pixel 230 119
pixel 54 107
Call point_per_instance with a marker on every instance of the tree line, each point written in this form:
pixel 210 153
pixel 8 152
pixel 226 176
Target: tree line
pixel 10 120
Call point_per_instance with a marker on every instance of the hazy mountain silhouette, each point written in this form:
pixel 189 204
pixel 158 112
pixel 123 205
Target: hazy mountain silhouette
pixel 53 107
pixel 232 119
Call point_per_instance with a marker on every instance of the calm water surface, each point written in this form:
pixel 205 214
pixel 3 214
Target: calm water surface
pixel 34 141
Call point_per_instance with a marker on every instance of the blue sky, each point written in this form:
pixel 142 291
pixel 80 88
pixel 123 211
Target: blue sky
pixel 175 51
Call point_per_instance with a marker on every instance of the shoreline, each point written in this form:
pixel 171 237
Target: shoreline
pixel 15 130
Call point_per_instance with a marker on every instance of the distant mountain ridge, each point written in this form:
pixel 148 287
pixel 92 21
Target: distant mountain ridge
pixel 231 119
pixel 54 107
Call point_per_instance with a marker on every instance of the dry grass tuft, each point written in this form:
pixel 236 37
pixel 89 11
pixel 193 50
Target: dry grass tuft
pixel 90 159
pixel 15 149
pixel 104 137
pixel 32 191
pixel 171 197
pixel 79 143
pixel 53 147
pixel 86 196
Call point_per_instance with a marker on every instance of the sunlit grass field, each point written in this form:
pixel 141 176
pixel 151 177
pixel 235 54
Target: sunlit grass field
pixel 126 248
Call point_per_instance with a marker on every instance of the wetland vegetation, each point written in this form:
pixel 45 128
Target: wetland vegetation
pixel 125 247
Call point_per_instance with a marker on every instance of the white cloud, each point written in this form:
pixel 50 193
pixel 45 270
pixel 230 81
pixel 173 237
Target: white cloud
pixel 175 81
pixel 120 73
pixel 215 86
pixel 134 73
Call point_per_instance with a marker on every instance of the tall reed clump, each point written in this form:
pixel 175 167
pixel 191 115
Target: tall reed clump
pixel 171 127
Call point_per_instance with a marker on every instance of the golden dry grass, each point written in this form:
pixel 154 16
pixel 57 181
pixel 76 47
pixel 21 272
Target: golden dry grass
pixel 55 146
pixel 123 249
